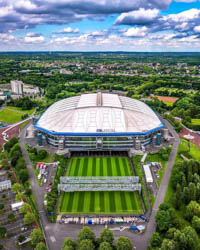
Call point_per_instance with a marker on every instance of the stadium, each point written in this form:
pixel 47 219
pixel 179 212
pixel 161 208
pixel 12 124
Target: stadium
pixel 99 121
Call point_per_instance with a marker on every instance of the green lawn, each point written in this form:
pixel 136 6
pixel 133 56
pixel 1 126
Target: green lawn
pixel 9 116
pixel 193 152
pixel 168 103
pixel 29 112
pixel 195 121
pixel 156 158
pixel 101 202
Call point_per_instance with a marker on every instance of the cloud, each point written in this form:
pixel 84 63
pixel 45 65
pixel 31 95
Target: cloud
pixel 33 34
pixel 141 16
pixel 34 39
pixel 6 38
pixel 197 29
pixel 136 32
pixel 68 30
pixel 24 14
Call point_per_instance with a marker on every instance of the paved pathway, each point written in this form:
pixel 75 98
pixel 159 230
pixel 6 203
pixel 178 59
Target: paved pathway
pixel 56 233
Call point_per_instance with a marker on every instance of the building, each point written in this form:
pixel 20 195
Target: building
pixel 17 87
pixel 148 175
pixel 99 121
pixel 30 89
pixel 4 185
pixel 16 206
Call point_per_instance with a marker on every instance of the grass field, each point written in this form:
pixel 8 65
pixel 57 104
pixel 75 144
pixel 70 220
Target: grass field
pixel 101 202
pixel 169 103
pixel 195 121
pixel 10 116
pixel 29 112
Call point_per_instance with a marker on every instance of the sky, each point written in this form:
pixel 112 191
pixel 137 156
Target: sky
pixel 100 25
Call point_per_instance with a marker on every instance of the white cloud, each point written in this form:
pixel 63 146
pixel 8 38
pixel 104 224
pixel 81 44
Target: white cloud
pixel 68 30
pixel 5 38
pixel 136 32
pixel 183 16
pixel 33 39
pixel 138 16
pixel 182 26
pixel 197 29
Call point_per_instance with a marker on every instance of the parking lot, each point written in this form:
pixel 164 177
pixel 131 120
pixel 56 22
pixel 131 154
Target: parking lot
pixel 17 226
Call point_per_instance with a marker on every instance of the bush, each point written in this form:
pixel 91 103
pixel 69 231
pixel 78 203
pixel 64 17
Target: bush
pixel 21 238
pixel 42 154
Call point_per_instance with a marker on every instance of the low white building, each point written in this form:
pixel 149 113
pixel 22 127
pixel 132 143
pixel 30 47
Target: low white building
pixel 17 205
pixel 4 185
pixel 30 89
pixel 147 172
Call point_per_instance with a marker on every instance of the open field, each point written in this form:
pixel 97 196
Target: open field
pixel 195 121
pixel 29 112
pixel 100 202
pixel 9 116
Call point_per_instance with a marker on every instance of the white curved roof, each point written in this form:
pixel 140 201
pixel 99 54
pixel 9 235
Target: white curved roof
pixel 100 112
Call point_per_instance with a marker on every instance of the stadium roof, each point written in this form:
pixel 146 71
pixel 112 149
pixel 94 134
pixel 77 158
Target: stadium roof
pixel 99 113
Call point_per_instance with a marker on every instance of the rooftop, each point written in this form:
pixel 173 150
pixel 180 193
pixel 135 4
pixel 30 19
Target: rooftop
pixel 99 112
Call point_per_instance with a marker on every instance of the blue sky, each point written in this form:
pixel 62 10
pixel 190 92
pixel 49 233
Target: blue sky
pixel 100 25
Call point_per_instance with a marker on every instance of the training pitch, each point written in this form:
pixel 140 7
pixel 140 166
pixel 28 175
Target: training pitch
pixel 101 202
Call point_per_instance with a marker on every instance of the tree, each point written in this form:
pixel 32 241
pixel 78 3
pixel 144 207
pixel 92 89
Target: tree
pixel 86 245
pixel 15 148
pixel 42 154
pixel 29 218
pixel 168 245
pixel 3 232
pixel 11 217
pixel 5 164
pixel 86 234
pixel 68 242
pixel 178 196
pixel 8 145
pixel 40 246
pixel 155 240
pixel 21 164
pixel 1 206
pixel 23 175
pixel 105 246
pixel 21 238
pixel 25 208
pixel 165 219
pixel 196 223
pixel 20 197
pixel 191 238
pixel 107 236
pixel 1 246
pixel 193 208
pixel 186 196
pixel 17 187
pixel 36 236
pixel 192 191
pixel 15 158
pixel 124 243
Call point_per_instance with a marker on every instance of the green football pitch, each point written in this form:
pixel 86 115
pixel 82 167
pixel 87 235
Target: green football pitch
pixel 101 202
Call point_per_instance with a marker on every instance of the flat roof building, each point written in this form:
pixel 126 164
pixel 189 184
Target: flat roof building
pixel 148 175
